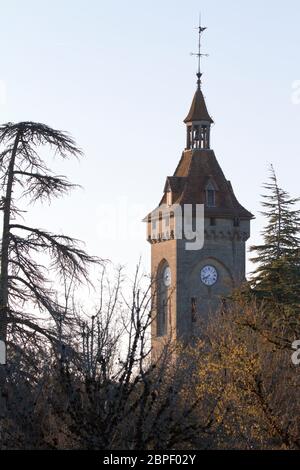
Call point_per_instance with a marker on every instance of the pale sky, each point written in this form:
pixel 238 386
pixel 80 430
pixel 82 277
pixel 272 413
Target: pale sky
pixel 119 77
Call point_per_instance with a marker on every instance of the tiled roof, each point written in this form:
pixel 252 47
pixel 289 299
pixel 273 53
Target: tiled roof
pixel 175 184
pixel 195 169
pixel 198 111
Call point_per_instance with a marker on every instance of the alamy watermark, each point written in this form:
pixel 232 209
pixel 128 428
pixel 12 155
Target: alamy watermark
pixel 2 353
pixel 296 354
pixel 178 222
pixel 121 221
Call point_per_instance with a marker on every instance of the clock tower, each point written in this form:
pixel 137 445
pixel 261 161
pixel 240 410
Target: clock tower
pixel 189 284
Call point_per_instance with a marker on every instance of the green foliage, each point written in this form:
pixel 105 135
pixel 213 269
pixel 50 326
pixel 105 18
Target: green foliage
pixel 277 276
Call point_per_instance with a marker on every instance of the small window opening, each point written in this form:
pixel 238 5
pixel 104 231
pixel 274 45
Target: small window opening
pixel 236 222
pixel 210 197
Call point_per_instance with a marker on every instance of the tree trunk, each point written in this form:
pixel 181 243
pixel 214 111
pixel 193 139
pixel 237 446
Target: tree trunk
pixel 4 264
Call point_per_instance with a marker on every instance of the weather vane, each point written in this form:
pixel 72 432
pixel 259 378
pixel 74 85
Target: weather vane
pixel 198 54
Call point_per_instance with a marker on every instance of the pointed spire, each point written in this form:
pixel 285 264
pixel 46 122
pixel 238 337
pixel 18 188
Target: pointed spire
pixel 198 120
pixel 198 110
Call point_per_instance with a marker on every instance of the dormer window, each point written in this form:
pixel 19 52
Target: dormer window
pixel 210 198
pixel 210 193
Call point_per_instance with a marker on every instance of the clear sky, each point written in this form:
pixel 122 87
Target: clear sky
pixel 119 77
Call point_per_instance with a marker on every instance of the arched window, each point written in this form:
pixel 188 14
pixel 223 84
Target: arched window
pixel 210 193
pixel 163 287
pixel 198 135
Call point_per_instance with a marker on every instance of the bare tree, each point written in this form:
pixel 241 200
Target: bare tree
pixel 98 387
pixel 26 281
pixel 113 395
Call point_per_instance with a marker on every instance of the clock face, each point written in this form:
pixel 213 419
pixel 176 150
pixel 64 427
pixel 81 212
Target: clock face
pixel 209 275
pixel 167 276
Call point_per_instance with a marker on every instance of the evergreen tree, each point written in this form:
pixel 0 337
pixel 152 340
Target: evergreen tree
pixel 277 276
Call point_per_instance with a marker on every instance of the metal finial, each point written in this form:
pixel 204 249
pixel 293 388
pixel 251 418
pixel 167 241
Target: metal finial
pixel 198 54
